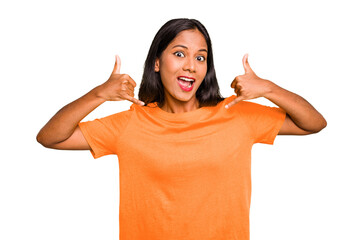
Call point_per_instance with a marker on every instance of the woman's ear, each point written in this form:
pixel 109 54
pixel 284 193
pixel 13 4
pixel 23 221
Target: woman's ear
pixel 157 65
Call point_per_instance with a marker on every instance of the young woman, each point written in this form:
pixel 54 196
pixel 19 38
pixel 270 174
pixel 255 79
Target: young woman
pixel 184 150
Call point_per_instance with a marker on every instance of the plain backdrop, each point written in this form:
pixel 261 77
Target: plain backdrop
pixel 53 52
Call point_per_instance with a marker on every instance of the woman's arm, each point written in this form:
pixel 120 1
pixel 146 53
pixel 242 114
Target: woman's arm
pixel 302 118
pixel 62 131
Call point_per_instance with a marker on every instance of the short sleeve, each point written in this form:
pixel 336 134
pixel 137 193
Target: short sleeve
pixel 264 122
pixel 102 134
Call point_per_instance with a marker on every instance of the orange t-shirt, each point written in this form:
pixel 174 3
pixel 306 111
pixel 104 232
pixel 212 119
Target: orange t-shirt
pixel 184 175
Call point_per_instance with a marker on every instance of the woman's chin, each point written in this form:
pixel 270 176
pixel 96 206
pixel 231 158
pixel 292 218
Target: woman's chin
pixel 184 97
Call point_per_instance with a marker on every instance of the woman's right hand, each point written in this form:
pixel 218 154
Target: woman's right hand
pixel 62 130
pixel 119 86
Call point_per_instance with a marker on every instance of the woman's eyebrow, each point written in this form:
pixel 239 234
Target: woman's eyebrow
pixel 204 50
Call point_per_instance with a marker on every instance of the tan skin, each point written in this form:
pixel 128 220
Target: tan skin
pixel 185 56
pixel 301 119
pixel 62 131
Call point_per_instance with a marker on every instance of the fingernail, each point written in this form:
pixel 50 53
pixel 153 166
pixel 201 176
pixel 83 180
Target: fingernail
pixel 142 103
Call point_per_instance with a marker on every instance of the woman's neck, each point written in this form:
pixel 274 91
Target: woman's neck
pixel 176 106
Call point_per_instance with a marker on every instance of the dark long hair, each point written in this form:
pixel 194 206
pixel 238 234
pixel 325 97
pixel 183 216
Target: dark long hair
pixel 151 87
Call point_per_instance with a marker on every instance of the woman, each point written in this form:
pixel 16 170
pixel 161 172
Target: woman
pixel 184 150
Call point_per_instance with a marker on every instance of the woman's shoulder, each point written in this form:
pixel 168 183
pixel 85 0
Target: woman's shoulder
pixel 118 116
pixel 246 106
pixel 242 104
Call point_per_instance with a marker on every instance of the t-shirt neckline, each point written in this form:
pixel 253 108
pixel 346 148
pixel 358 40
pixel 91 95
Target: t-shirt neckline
pixel 156 110
pixel 202 112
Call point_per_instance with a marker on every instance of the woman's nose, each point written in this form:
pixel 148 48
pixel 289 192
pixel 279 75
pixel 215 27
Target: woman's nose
pixel 189 65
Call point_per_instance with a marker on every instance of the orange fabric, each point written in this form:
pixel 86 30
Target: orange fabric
pixel 184 175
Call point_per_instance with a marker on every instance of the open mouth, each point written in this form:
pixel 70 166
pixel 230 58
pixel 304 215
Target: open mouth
pixel 186 82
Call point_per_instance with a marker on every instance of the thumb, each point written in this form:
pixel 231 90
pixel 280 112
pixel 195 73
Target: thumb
pixel 117 65
pixel 246 64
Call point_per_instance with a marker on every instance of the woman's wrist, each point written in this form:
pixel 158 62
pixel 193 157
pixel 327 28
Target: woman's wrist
pixel 97 94
pixel 270 88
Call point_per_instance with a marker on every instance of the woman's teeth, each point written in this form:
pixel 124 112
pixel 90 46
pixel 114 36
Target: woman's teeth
pixel 186 82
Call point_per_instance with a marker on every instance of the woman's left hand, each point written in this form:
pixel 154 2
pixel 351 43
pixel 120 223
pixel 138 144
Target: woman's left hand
pixel 249 85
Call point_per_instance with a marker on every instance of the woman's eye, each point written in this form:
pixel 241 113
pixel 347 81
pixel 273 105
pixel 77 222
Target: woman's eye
pixel 179 54
pixel 201 58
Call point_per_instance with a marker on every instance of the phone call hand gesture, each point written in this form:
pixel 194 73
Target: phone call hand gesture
pixel 249 85
pixel 119 86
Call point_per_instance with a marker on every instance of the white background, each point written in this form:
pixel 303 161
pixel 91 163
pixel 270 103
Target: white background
pixel 52 52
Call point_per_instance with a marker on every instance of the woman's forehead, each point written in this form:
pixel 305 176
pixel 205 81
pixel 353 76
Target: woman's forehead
pixel 189 38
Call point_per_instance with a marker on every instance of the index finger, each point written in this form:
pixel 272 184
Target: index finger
pixel 132 82
pixel 128 79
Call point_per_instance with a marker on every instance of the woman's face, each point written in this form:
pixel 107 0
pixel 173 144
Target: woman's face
pixel 183 65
